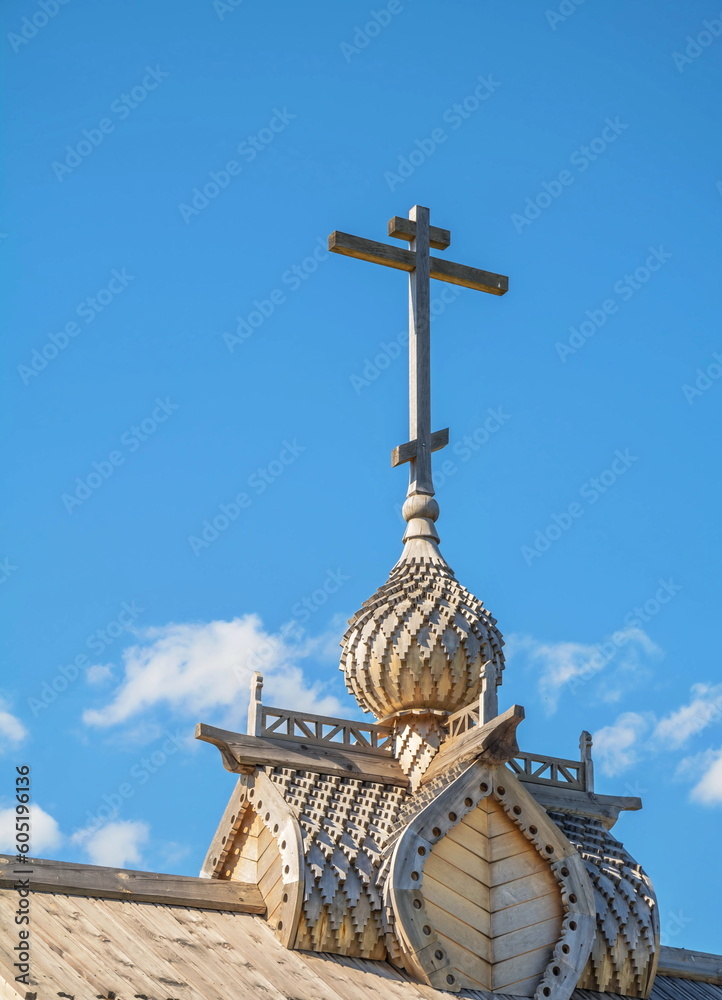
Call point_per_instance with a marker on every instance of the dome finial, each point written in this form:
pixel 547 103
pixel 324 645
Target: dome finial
pixel 422 646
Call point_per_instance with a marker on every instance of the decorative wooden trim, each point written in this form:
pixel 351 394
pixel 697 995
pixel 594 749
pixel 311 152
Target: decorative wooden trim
pixel 312 730
pixel 533 767
pixel 681 963
pixel 242 754
pixel 258 792
pixel 140 887
pixel 494 743
pixel 605 808
pixel 424 953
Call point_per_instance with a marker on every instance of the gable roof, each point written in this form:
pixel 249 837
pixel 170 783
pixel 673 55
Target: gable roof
pixel 86 945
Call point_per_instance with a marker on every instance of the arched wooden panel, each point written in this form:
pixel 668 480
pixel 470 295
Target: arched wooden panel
pixel 487 893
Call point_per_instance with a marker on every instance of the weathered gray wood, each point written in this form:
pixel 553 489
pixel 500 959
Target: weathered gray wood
pixel 405 229
pixel 146 887
pixel 366 736
pixel 406 452
pixel 255 706
pixel 242 754
pixel 405 260
pixel 492 743
pixel 681 963
pixel 420 356
pixel 606 808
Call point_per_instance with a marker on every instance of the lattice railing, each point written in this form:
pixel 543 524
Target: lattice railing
pixel 320 730
pixel 533 767
pixel 539 769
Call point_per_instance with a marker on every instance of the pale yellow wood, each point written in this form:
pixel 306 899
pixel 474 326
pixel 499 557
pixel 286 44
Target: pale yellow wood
pixel 542 908
pixel 507 845
pixel 472 906
pixel 476 974
pixel 454 879
pixel 458 931
pixel 465 860
pixel 520 890
pixel 525 939
pixel 521 967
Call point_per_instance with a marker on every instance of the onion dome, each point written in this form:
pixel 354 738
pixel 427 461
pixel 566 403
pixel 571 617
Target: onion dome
pixel 422 642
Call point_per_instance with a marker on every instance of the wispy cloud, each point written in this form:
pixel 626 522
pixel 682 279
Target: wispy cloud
pixel 117 844
pixel 680 726
pixel 12 731
pixel 616 747
pixel 634 735
pixel 708 790
pixel 199 667
pixel 44 831
pixel 566 666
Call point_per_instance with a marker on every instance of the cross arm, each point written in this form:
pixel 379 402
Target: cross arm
pixel 407 452
pixel 405 260
pixel 405 229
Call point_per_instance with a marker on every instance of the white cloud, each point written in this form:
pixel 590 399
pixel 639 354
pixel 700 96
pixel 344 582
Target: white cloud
pixel 44 831
pixel 117 844
pixel 197 667
pixel 616 747
pixel 99 673
pixel 569 665
pixel 12 731
pixel 681 725
pixel 708 790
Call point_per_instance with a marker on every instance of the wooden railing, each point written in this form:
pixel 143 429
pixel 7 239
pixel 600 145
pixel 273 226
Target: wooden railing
pixel 321 730
pixel 533 767
pixel 540 769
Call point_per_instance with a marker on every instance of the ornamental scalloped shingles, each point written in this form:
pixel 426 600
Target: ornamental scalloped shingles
pixel 627 939
pixel 421 640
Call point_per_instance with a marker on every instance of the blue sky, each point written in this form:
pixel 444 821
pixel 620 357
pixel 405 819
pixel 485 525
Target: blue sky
pixel 179 340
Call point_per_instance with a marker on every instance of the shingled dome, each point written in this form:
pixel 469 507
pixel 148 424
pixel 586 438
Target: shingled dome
pixel 422 640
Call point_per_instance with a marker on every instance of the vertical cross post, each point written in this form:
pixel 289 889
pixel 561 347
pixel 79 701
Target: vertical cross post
pixel 420 480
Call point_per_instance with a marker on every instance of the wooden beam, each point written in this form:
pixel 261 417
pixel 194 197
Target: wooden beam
pixel 405 229
pixel 492 743
pixel 605 808
pixel 405 260
pixel 405 452
pixel 242 754
pixel 141 887
pixel 681 963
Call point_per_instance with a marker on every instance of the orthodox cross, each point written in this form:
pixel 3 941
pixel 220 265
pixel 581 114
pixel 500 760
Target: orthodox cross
pixel 421 267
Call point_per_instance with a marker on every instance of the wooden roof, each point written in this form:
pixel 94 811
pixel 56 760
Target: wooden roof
pixel 87 946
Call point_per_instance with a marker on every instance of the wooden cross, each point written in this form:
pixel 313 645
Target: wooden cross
pixel 421 267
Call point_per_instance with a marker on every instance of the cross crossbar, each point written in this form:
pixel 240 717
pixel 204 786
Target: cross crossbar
pixel 421 268
pixel 405 260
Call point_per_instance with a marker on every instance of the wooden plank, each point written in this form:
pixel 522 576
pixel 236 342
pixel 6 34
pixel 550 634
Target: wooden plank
pixel 456 879
pixel 507 845
pixel 519 891
pixel 254 945
pixel 521 967
pixel 493 743
pixel 470 966
pixel 606 808
pixel 405 229
pixel 683 963
pixel 543 934
pixel 512 918
pixel 472 907
pixel 405 260
pixel 465 860
pixel 244 753
pixel 465 835
pixel 148 887
pixel 511 869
